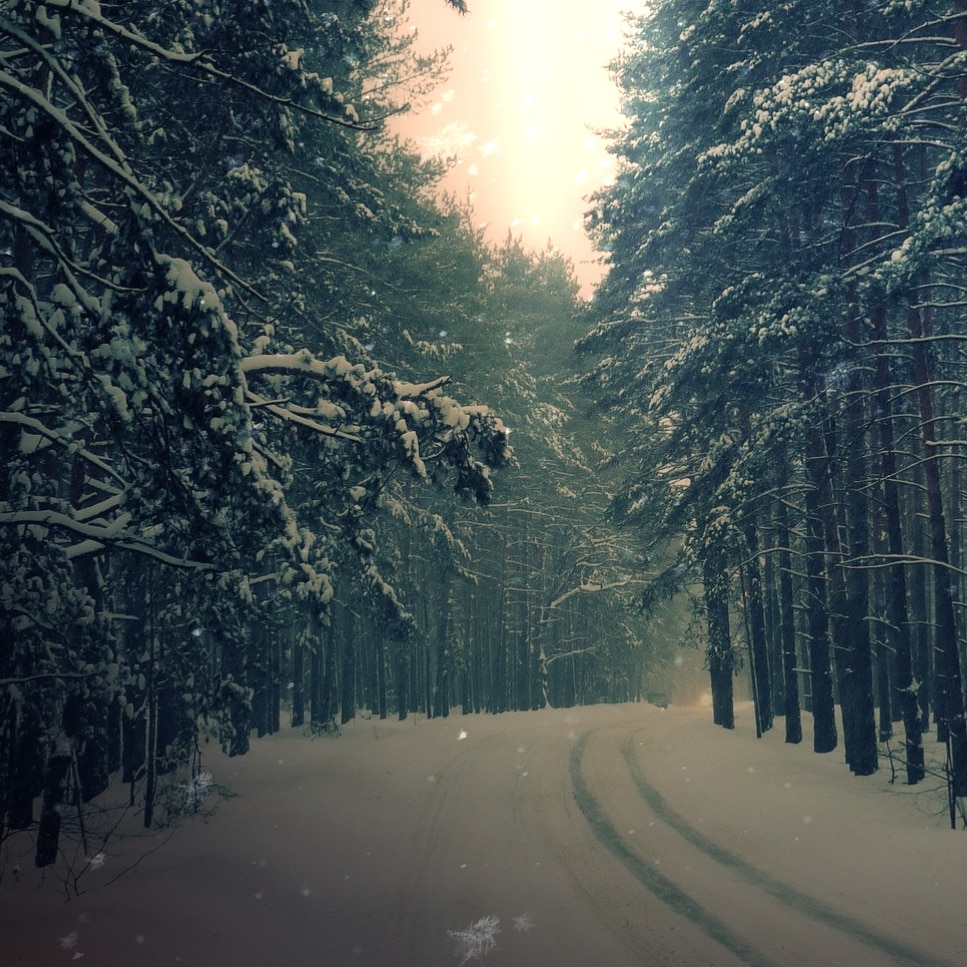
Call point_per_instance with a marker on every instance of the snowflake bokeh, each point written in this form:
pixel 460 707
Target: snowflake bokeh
pixel 477 940
pixel 197 788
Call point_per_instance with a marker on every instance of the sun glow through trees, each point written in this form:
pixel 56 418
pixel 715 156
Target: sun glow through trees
pixel 520 114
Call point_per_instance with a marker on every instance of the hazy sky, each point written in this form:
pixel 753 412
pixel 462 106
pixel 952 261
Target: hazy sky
pixel 528 88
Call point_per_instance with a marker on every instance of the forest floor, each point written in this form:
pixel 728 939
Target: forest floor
pixel 618 836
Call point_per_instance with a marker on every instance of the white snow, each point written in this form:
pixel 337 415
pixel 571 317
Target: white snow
pixel 641 837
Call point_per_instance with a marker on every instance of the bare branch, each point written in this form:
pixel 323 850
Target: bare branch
pixel 587 589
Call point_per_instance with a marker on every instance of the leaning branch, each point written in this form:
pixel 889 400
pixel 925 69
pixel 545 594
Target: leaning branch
pixel 35 426
pixel 56 676
pixel 283 413
pixel 97 536
pixel 200 61
pixel 586 589
pixel 889 560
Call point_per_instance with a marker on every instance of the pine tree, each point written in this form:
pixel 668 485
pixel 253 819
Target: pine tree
pixel 159 383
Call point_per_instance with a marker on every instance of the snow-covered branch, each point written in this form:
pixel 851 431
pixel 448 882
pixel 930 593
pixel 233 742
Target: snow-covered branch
pixel 123 173
pixel 589 588
pixel 284 413
pixel 201 61
pixel 97 536
pixel 40 430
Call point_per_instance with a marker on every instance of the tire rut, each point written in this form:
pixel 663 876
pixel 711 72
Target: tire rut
pixel 656 883
pixel 805 904
pixel 412 919
pixel 681 902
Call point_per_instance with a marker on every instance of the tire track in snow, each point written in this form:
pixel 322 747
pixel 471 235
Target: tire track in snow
pixel 789 896
pixel 415 932
pixel 653 881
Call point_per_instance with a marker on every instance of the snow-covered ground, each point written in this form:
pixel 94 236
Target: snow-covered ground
pixel 617 836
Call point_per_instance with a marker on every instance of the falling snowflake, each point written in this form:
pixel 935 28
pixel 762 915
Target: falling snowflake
pixel 197 788
pixel 97 861
pixel 477 940
pixel 462 735
pixel 451 141
pixel 69 942
pixel 524 922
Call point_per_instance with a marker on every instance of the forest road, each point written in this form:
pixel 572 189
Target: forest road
pixel 560 836
pixel 757 918
pixel 604 836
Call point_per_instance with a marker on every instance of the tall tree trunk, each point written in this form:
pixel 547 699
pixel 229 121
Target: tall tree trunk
pixel 498 626
pixel 347 691
pixel 950 699
pixel 298 680
pixel 321 675
pixel 770 594
pixel 441 636
pixel 898 635
pixel 921 635
pixel 820 672
pixel 863 757
pixel 847 615
pixel 403 683
pixel 151 716
pixel 381 676
pixel 721 658
pixel 758 646
pixel 52 808
pixel 787 625
pixel 261 646
pixel 882 656
pixel 275 703
pixel 23 774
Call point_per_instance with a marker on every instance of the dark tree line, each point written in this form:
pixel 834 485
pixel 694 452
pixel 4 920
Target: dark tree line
pixel 506 604
pixel 782 327
pixel 182 191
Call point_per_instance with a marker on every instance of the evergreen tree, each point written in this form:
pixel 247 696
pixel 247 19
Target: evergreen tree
pixel 764 259
pixel 160 387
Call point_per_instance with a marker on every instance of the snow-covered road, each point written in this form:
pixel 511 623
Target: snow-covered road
pixel 616 836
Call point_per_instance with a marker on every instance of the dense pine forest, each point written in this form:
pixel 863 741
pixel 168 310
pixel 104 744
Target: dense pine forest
pixel 781 336
pixel 287 440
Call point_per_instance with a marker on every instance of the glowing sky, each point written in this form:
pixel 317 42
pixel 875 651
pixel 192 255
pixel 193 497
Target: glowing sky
pixel 527 90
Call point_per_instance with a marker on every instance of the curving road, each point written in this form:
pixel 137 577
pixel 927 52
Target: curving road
pixel 614 836
pixel 755 917
pixel 579 836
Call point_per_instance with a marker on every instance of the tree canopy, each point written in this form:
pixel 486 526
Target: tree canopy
pixel 778 332
pixel 176 177
pixel 257 386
